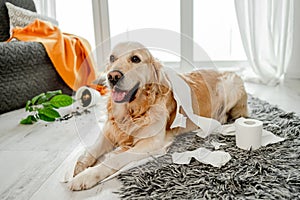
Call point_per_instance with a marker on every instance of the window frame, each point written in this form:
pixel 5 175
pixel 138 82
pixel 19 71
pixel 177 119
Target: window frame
pixel 101 29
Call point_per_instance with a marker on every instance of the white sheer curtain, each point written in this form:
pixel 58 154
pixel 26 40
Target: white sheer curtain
pixel 266 28
pixel 46 7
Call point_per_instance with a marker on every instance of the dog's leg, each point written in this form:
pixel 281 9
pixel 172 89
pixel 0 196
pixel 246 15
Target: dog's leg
pixel 90 156
pixel 116 160
pixel 240 109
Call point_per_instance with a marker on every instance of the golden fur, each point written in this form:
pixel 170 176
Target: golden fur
pixel 143 123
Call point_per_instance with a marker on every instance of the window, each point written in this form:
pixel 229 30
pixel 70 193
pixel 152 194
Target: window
pixel 216 30
pixel 214 26
pixel 76 17
pixel 128 15
pixel 211 24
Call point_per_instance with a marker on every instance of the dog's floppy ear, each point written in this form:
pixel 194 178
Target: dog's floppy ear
pixel 157 66
pixel 160 75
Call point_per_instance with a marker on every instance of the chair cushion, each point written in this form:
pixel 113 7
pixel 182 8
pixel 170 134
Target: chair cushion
pixel 4 18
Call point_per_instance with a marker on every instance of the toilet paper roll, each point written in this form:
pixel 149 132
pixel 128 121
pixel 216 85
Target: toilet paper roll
pixel 87 97
pixel 248 133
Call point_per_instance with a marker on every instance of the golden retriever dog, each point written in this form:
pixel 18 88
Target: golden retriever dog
pixel 141 108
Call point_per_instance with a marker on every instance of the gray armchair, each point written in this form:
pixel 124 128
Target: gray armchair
pixel 25 68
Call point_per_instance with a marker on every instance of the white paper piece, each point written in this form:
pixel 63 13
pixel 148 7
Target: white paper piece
pixel 214 158
pixel 227 130
pixel 217 144
pixel 182 95
pixel 269 138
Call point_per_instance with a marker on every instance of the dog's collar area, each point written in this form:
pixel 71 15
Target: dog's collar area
pixel 122 96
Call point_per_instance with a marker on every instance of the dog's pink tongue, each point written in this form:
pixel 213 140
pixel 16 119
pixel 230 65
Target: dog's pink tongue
pixel 118 96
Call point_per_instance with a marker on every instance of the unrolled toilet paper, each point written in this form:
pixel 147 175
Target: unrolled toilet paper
pixel 248 133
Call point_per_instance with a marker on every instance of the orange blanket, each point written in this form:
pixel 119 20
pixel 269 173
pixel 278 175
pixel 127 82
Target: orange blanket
pixel 68 53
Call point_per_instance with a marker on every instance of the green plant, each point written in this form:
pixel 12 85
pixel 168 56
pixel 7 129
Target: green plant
pixel 44 105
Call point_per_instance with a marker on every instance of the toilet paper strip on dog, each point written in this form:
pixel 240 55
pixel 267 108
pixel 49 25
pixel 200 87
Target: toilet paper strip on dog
pixel 183 97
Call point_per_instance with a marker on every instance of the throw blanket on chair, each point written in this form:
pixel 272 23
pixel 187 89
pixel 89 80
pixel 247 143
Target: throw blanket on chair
pixel 68 53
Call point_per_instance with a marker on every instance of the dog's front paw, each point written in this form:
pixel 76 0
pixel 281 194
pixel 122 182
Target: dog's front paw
pixel 84 161
pixel 85 180
pixel 79 167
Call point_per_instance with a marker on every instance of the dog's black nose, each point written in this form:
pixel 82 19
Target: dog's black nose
pixel 114 76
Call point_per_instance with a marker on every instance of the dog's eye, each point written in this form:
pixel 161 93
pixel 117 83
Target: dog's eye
pixel 135 59
pixel 112 58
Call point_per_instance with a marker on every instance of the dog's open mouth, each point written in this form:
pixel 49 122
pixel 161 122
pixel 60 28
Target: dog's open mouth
pixel 121 96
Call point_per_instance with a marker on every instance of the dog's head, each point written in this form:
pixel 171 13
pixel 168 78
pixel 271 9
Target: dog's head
pixel 131 66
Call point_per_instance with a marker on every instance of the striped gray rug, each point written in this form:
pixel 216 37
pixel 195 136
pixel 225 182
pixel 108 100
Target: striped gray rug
pixel 272 172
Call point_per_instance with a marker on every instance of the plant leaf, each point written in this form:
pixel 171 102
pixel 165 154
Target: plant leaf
pixel 61 100
pixel 51 94
pixel 49 112
pixel 47 105
pixel 28 120
pixel 45 118
pixel 36 98
pixel 42 99
pixel 27 105
pixel 33 118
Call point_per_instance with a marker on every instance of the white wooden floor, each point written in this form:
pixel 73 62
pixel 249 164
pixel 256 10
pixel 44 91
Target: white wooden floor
pixel 34 157
pixel 286 96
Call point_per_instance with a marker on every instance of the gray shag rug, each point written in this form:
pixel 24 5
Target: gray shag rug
pixel 271 172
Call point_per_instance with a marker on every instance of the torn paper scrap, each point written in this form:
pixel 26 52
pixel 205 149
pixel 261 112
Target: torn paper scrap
pixel 217 144
pixel 227 130
pixel 269 138
pixel 214 158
